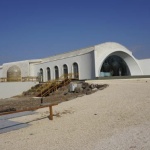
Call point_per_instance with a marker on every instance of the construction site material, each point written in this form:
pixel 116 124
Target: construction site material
pixel 116 118
pixel 26 102
pixel 34 108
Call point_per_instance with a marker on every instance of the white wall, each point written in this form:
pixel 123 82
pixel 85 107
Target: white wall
pixel 102 51
pixel 32 70
pixel 23 65
pixel 145 66
pixel 85 64
pixel 1 71
pixel 10 89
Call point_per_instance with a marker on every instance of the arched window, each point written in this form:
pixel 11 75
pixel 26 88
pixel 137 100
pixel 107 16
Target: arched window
pixel 65 70
pixel 41 74
pixel 56 72
pixel 48 74
pixel 75 70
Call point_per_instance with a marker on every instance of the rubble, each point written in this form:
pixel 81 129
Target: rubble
pixel 62 94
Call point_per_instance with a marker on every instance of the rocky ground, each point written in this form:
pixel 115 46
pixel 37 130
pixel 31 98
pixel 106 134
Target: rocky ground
pixel 63 94
pixel 116 118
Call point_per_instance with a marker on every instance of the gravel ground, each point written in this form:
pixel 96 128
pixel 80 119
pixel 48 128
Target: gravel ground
pixel 116 118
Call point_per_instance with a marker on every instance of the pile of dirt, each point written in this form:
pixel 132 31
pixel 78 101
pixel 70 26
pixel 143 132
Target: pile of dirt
pixel 62 94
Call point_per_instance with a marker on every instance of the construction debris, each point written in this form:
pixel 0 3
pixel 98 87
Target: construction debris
pixel 64 93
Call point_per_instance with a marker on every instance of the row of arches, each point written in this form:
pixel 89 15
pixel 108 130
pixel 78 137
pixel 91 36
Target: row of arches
pixel 75 71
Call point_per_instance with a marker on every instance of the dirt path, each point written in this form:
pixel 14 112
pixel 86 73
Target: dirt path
pixel 116 118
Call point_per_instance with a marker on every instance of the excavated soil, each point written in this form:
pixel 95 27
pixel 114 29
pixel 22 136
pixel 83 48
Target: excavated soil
pixel 22 102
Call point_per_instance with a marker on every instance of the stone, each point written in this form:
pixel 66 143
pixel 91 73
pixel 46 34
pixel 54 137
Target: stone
pixel 88 91
pixel 85 85
pixel 65 93
pixel 92 86
pixel 78 90
pixel 94 89
pixel 101 87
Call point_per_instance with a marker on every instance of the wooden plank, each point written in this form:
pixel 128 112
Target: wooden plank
pixel 31 109
pixel 48 104
pixel 51 113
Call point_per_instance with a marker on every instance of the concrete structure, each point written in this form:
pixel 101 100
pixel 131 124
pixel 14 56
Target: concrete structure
pixel 10 89
pixel 107 59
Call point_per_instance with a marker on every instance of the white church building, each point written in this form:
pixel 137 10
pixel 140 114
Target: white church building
pixel 103 60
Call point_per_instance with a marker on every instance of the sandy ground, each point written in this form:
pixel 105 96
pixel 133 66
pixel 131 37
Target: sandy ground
pixel 116 118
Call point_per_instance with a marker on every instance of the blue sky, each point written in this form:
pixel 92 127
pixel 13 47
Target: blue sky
pixel 31 29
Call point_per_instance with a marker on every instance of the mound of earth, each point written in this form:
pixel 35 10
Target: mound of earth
pixel 18 103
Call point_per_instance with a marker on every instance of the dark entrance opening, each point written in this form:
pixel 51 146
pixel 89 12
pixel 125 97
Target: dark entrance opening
pixel 56 72
pixel 65 68
pixel 76 70
pixel 114 66
pixel 48 74
pixel 41 75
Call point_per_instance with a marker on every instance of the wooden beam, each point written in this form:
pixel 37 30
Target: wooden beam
pixel 43 105
pixel 51 113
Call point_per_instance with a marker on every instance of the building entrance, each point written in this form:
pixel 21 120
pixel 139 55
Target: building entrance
pixel 114 66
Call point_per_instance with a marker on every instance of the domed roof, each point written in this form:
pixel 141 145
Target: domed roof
pixel 14 69
pixel 14 73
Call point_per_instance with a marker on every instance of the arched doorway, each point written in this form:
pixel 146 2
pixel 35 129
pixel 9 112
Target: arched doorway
pixel 14 74
pixel 41 75
pixel 56 72
pixel 48 74
pixel 65 70
pixel 114 66
pixel 76 70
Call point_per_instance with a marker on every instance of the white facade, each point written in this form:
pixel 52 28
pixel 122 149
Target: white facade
pixel 105 50
pixel 89 60
pixel 86 69
pixel 144 63
pixel 23 65
pixel 10 89
pixel 1 70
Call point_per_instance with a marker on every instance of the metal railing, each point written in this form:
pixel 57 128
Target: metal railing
pixel 20 79
pixel 53 85
pixel 37 78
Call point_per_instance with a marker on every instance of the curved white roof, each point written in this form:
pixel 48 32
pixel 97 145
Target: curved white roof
pixel 69 54
pixel 112 45
pixel 85 50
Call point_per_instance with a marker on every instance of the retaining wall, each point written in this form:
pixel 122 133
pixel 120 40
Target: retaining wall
pixel 10 89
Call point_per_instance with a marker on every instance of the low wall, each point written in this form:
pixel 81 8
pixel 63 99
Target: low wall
pixel 10 89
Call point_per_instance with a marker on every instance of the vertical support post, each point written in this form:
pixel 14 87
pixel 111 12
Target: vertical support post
pixel 51 113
